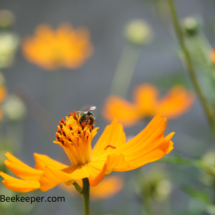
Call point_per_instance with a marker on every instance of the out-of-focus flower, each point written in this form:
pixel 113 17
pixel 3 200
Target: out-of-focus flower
pixel 138 32
pixel 108 187
pixel 190 26
pixel 3 94
pixel 63 47
pixel 111 153
pixel 213 56
pixel 154 184
pixel 208 165
pixel 6 19
pixel 13 108
pixel 146 103
pixel 8 45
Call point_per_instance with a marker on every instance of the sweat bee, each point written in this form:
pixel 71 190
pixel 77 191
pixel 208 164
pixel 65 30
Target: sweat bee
pixel 87 117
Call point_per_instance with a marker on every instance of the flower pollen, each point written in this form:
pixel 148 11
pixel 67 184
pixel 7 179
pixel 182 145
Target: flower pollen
pixel 75 138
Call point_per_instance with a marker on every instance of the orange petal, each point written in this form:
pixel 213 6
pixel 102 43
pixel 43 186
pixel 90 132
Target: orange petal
pixel 52 176
pixel 120 109
pixel 3 93
pixel 97 171
pixel 52 49
pixel 112 137
pixel 213 56
pixel 108 187
pixel 43 160
pixel 20 169
pixel 19 185
pixel 149 145
pixel 176 102
pixel 145 96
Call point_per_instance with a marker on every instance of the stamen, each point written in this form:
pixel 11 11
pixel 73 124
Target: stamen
pixel 57 137
pixel 60 124
pixel 70 127
pixel 63 132
pixel 62 120
pixel 70 114
pixel 59 131
pixel 113 147
pixel 74 115
pixel 61 140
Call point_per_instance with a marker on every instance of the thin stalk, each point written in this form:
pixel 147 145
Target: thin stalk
pixel 78 188
pixel 148 203
pixel 86 196
pixel 189 65
pixel 125 70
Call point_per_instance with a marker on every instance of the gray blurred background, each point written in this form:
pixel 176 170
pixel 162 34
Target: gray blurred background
pixel 90 85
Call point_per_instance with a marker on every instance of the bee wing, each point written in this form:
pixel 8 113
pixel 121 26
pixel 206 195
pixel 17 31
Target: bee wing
pixel 89 109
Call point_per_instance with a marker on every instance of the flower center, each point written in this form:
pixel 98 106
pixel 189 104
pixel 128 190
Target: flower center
pixel 75 135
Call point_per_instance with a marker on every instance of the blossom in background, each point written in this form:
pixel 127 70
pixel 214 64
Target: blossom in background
pixel 9 43
pixel 63 47
pixel 108 187
pixel 111 153
pixel 213 56
pixel 3 94
pixel 146 103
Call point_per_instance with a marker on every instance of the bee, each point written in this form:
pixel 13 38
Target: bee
pixel 87 117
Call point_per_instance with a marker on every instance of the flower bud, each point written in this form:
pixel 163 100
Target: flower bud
pixel 14 109
pixel 209 160
pixel 8 45
pixel 190 26
pixel 208 165
pixel 154 184
pixel 138 32
pixel 163 189
pixel 6 18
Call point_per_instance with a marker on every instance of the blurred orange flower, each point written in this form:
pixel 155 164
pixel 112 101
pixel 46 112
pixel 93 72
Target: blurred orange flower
pixel 111 153
pixel 213 56
pixel 3 94
pixel 64 47
pixel 146 103
pixel 107 188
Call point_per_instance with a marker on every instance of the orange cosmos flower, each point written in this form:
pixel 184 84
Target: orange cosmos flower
pixel 107 188
pixel 146 103
pixel 3 94
pixel 64 47
pixel 213 56
pixel 111 153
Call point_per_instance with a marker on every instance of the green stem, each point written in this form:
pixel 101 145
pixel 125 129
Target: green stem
pixel 78 188
pixel 125 69
pixel 148 205
pixel 86 196
pixel 189 65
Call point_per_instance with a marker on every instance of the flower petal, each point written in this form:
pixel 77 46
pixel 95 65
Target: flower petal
pixel 149 145
pixel 43 160
pixel 112 137
pixel 52 176
pixel 20 169
pixel 96 172
pixel 176 102
pixel 122 110
pixel 145 97
pixel 19 185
